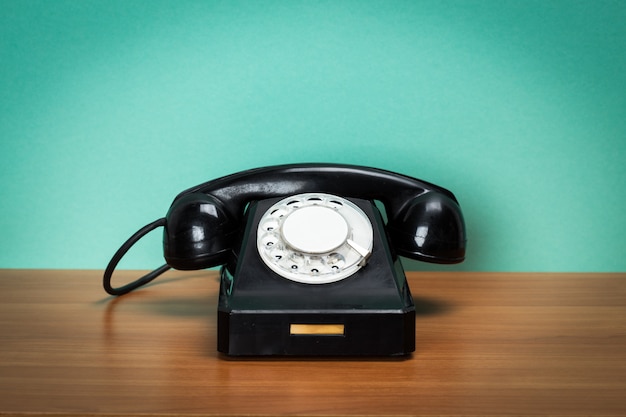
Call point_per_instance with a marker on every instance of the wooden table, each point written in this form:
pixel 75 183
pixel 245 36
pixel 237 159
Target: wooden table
pixel 487 343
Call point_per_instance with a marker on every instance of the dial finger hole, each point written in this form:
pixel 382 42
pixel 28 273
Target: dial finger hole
pixel 278 213
pixel 270 225
pixel 335 204
pixel 297 258
pixel 269 241
pixel 316 265
pixel 335 261
pixel 294 204
pixel 277 255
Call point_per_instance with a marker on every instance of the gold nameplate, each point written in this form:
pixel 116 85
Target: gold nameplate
pixel 319 329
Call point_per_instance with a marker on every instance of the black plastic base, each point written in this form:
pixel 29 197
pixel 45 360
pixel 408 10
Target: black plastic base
pixel 370 313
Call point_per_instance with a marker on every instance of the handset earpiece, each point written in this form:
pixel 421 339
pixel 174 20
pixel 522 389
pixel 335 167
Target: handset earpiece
pixel 198 233
pixel 430 228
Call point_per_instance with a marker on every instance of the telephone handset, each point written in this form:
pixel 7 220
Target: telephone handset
pixel 309 267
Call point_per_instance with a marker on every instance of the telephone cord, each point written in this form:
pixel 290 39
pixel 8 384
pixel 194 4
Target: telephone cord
pixel 108 272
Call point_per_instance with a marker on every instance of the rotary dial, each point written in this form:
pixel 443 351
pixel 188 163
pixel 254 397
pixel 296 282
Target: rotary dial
pixel 314 238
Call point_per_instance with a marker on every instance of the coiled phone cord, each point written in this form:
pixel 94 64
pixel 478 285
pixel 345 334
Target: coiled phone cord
pixel 108 272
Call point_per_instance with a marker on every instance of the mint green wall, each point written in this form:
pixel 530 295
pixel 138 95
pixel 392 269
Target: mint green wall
pixel 110 108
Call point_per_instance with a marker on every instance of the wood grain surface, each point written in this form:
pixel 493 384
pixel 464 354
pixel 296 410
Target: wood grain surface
pixel 487 344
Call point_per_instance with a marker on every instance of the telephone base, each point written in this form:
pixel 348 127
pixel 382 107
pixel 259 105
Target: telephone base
pixel 370 313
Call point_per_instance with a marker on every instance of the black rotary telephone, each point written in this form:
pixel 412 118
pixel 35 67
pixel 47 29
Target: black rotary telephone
pixel 309 266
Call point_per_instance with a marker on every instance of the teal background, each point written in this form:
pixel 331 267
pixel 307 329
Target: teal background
pixel 109 108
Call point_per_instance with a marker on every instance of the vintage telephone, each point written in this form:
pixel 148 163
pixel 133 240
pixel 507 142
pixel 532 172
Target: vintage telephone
pixel 309 267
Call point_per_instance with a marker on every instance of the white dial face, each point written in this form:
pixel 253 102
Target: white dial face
pixel 314 238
